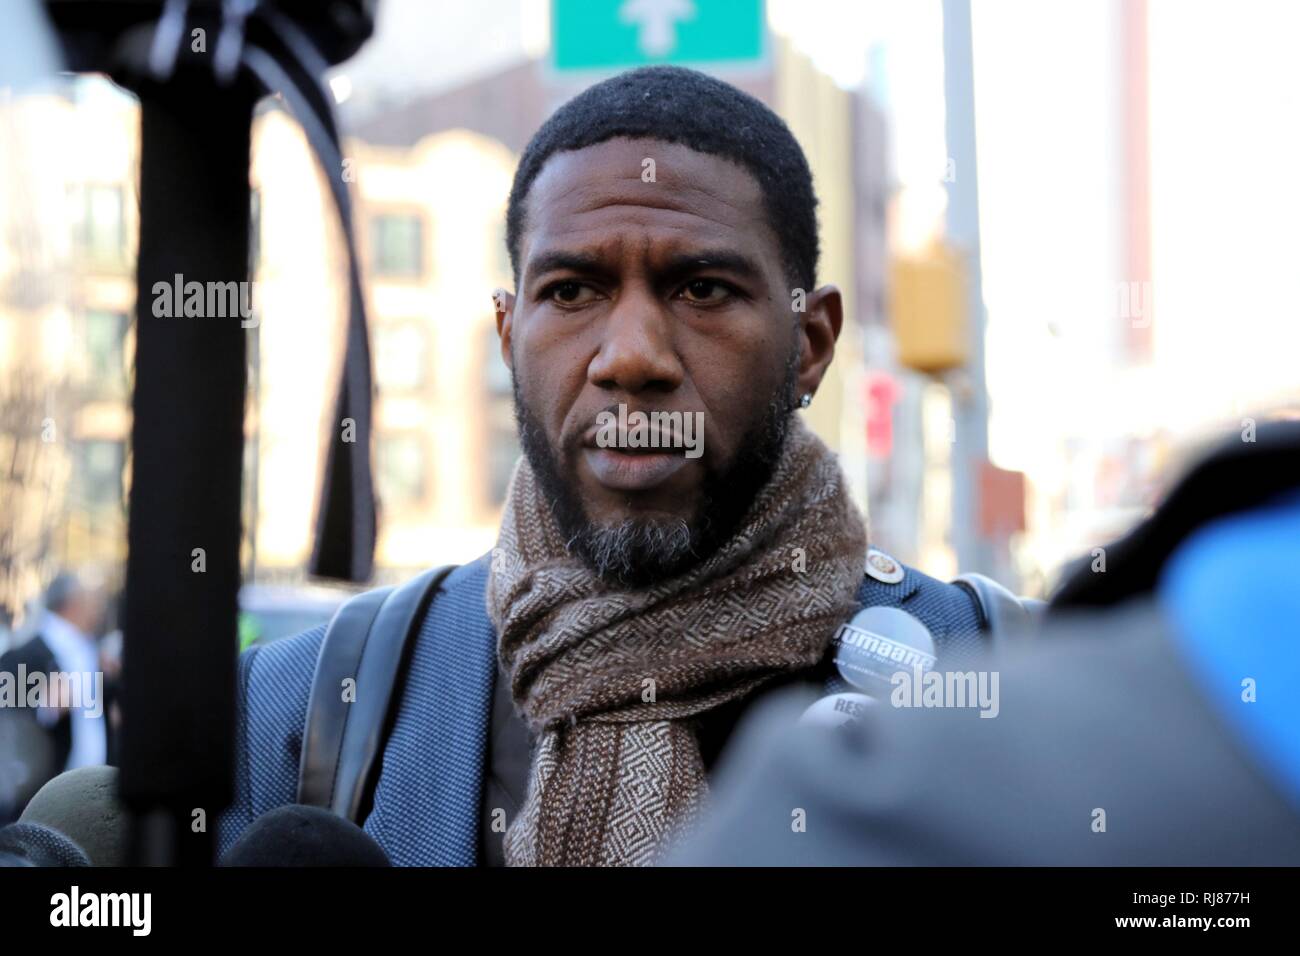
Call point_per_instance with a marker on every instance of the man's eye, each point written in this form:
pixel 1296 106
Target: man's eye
pixel 705 291
pixel 569 293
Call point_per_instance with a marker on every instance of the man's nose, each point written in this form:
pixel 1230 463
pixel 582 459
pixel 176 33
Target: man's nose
pixel 638 351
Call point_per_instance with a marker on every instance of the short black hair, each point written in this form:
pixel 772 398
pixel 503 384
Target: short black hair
pixel 705 114
pixel 60 592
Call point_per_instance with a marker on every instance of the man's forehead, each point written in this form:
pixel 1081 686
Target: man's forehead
pixel 625 194
pixel 630 158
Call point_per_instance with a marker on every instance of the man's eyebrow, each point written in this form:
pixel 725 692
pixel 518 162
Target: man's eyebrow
pixel 723 260
pixel 676 266
pixel 563 260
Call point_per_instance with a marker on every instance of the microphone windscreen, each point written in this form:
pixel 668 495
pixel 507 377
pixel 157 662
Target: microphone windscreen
pixel 30 844
pixel 298 835
pixel 83 804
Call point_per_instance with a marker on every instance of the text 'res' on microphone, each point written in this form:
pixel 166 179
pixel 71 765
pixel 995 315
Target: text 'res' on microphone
pixel 83 804
pixel 31 844
pixel 298 835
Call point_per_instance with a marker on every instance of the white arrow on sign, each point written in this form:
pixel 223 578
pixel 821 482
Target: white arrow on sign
pixel 657 22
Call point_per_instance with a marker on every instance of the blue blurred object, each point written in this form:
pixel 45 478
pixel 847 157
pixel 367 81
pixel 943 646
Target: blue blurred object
pixel 1232 593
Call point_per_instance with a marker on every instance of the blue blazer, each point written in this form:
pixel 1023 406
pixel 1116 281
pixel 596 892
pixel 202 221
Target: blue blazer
pixel 427 799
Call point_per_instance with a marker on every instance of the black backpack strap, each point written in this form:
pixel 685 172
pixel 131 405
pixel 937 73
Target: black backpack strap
pixel 367 641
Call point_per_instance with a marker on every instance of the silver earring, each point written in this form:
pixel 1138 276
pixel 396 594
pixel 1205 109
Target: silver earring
pixel 805 400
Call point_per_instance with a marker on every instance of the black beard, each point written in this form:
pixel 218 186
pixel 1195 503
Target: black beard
pixel 641 551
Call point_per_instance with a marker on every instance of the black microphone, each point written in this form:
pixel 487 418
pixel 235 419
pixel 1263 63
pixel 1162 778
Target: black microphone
pixel 298 835
pixel 30 844
pixel 83 804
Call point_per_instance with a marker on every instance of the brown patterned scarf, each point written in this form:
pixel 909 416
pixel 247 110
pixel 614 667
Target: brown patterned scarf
pixel 608 678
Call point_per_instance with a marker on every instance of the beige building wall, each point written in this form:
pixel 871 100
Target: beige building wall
pixel 440 396
pixel 819 114
pixel 454 184
pixel 299 300
pixel 68 227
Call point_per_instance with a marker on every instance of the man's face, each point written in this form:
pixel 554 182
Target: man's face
pixel 662 296
pixel 86 610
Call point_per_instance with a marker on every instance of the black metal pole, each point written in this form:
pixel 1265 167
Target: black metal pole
pixel 182 578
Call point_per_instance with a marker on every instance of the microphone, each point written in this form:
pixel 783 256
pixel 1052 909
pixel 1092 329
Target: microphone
pixel 869 649
pixel 877 643
pixel 298 835
pixel 30 844
pixel 83 804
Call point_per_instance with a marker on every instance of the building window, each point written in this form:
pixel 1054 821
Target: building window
pixel 400 355
pixel 255 230
pixel 97 475
pixel 503 453
pixel 104 334
pixel 500 252
pixel 98 228
pixel 397 245
pixel 496 374
pixel 403 470
pixel 502 434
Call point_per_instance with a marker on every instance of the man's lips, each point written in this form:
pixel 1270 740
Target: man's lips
pixel 632 469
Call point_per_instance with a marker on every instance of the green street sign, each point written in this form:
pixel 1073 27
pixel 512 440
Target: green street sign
pixel 604 34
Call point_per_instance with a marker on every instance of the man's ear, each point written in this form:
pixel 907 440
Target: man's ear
pixel 504 304
pixel 819 328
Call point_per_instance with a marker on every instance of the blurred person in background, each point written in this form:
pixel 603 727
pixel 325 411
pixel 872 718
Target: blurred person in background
pixel 64 651
pixel 6 629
